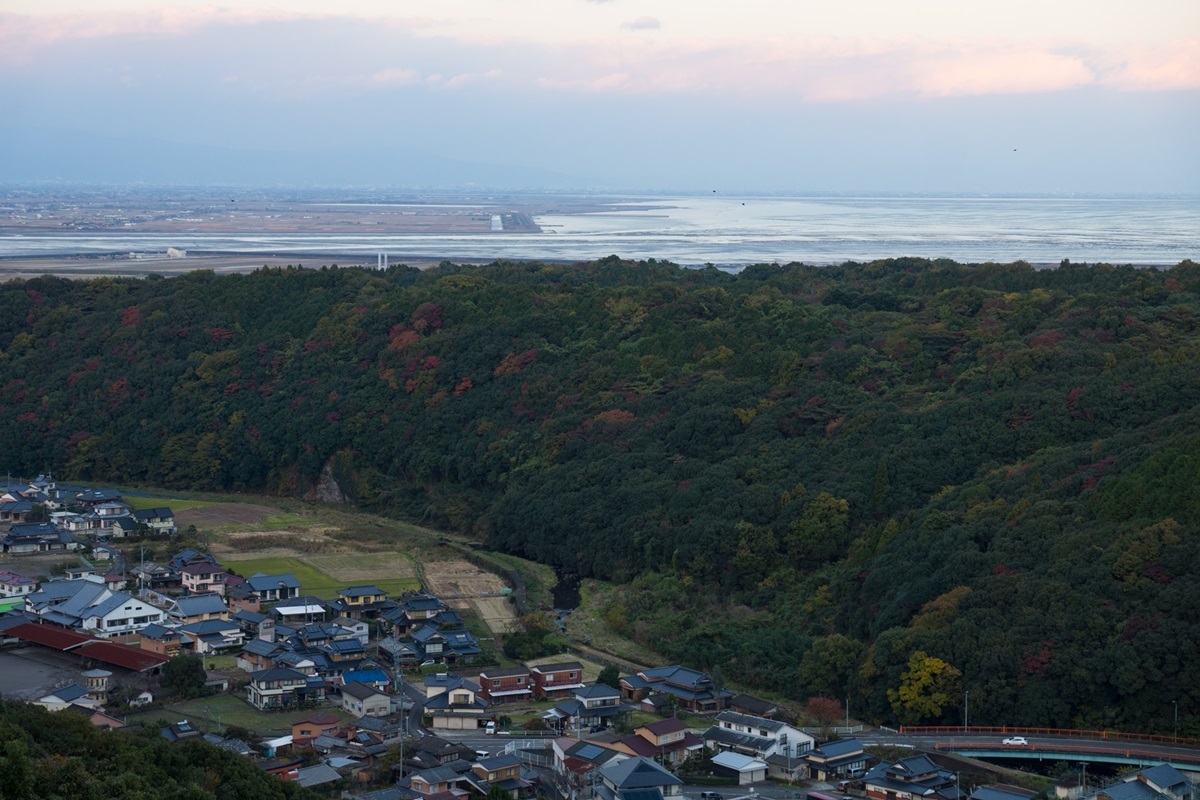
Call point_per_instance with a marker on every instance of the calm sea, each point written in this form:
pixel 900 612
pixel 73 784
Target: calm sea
pixel 735 231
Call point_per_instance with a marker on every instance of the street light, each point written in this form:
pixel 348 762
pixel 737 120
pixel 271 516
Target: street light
pixel 967 711
pixel 1176 704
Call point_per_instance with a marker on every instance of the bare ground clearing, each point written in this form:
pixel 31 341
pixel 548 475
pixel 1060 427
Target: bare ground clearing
pixel 222 514
pixel 464 585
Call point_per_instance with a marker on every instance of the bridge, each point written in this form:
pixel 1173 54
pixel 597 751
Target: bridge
pixel 1053 744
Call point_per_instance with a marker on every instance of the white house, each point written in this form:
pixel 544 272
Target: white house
pixel 91 607
pixel 364 700
pixel 769 740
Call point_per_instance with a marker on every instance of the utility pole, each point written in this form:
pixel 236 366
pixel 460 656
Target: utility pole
pixel 967 711
pixel 1176 704
pixel 847 716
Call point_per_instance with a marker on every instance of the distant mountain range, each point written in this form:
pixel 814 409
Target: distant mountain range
pixel 52 154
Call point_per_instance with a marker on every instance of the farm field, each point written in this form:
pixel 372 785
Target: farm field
pixel 214 714
pixel 139 502
pixel 464 585
pixel 314 581
pixel 329 548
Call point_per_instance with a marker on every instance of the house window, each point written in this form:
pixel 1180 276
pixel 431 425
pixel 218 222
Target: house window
pixel 495 683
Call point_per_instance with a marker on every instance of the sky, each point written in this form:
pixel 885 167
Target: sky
pixel 1090 96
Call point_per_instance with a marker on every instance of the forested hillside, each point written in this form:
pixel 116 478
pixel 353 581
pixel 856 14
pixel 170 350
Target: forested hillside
pixel 61 756
pixel 891 482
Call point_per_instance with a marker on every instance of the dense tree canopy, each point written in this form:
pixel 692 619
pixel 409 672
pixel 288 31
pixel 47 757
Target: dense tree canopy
pixel 62 756
pixel 804 476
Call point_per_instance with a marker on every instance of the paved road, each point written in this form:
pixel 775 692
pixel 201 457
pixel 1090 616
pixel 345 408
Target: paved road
pixel 1038 745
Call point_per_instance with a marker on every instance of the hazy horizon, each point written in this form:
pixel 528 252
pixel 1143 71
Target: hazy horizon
pixel 627 95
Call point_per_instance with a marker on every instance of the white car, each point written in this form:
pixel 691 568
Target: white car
pixel 1017 741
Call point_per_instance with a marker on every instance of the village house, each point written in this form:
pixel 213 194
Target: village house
pixel 453 703
pixel 165 641
pixel 13 584
pixel 502 772
pixel 299 610
pixel 575 765
pixel 778 745
pixel 411 611
pixel 1001 791
pixel 838 759
pixel 435 781
pixel 911 778
pixel 280 687
pixel 91 607
pixel 273 588
pixel 358 628
pixel 257 654
pixel 689 688
pixel 214 635
pixel 636 775
pixel 37 537
pixel 256 624
pixel 15 509
pixel 357 602
pixel 667 741
pixel 198 608
pixel 592 707
pixel 157 520
pixel 203 577
pixel 364 699
pixel 314 725
pixel 556 680
pixel 510 685
pixel 1162 782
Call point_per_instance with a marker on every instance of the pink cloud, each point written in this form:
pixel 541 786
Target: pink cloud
pixel 806 68
pixel 1174 66
pixel 642 24
pixel 395 76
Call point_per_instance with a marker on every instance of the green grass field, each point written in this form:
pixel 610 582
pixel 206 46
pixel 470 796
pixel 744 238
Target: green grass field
pixel 312 580
pixel 175 504
pixel 223 710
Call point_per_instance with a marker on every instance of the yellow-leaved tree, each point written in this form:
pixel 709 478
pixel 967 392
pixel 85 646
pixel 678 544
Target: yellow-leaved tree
pixel 928 686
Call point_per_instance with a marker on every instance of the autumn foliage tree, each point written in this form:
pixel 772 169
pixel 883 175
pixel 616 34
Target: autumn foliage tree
pixel 927 688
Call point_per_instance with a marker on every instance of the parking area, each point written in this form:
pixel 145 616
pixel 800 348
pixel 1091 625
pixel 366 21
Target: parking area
pixel 27 673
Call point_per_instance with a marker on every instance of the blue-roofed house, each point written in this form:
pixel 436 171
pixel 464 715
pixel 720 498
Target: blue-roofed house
pixel 915 776
pixel 1162 782
pixel 199 607
pixel 632 778
pixel 190 555
pixel 360 601
pixel 16 510
pixel 502 772
pixel 597 706
pixel 258 654
pixel 273 588
pixel 690 688
pixel 837 759
pixel 37 537
pixel 281 687
pixel 430 642
pixel 215 635
pixel 91 607
pixel 375 677
pixel 157 520
pixel 1001 792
